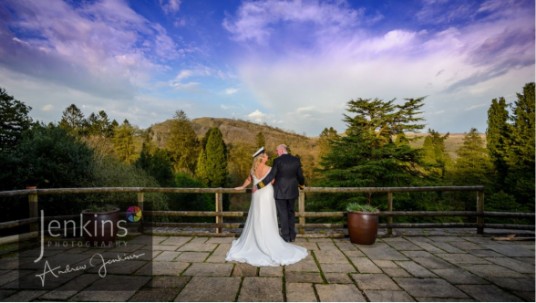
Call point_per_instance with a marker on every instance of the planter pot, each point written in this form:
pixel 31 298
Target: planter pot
pixel 362 227
pixel 102 227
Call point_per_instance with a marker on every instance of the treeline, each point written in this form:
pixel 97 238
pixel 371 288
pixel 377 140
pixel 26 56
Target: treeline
pixel 375 150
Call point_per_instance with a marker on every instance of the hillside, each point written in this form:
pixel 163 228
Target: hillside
pixel 243 132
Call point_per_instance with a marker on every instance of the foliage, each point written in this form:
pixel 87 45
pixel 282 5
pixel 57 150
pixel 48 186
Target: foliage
pixel 435 159
pixel 511 146
pixel 100 125
pixel 260 140
pixel 48 156
pixel 190 201
pixel 214 166
pixel 73 121
pixel 359 207
pixel 14 120
pixel 123 140
pixel 182 144
pixel 155 162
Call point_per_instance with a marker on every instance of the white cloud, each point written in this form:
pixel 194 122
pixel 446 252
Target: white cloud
pixel 231 91
pixel 257 116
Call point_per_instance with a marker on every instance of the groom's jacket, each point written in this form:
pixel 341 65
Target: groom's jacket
pixel 288 176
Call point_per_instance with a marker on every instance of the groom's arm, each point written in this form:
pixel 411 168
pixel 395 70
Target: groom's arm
pixel 269 178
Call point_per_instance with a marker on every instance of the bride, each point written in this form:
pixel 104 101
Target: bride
pixel 260 243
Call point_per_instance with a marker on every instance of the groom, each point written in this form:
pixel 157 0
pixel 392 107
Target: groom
pixel 288 176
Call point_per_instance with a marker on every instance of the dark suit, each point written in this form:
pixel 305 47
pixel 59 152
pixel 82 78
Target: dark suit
pixel 288 176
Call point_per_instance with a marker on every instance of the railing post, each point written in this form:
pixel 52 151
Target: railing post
pixel 219 208
pixel 301 212
pixel 389 208
pixel 34 209
pixel 141 199
pixel 480 211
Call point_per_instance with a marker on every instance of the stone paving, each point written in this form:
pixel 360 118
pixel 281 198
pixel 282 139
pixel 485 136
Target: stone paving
pixel 425 267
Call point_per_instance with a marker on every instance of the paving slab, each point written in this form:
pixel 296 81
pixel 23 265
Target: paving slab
pixel 415 269
pixel 168 282
pixel 488 293
pixel 374 281
pixel 261 289
pixel 155 295
pixel 338 278
pixel 300 292
pixel 388 296
pixel 103 296
pixel 271 271
pixel 244 270
pixel 339 293
pixel 330 256
pixel 512 249
pixel 205 289
pixel 513 264
pixel 337 267
pixel 458 276
pixel 491 270
pixel 209 269
pixel 303 277
pixel 430 288
pixel 381 251
pixel 365 265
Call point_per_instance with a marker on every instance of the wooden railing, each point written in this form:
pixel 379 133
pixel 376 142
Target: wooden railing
pixel 219 214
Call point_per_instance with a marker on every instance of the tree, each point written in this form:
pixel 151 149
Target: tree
pixel 100 125
pixel 156 162
pixel 473 165
pixel 260 140
pixel 434 156
pixel 73 120
pixel 124 143
pixel 325 140
pixel 182 144
pixel 371 153
pixel 212 160
pixel 498 137
pixel 14 120
pixel 521 174
pixel 368 155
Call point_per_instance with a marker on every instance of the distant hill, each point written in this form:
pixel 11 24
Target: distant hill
pixel 239 131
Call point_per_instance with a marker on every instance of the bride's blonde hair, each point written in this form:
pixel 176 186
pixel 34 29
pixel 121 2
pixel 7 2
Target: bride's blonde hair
pixel 256 161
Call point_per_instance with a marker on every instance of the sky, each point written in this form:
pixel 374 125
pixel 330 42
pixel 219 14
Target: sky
pixel 290 64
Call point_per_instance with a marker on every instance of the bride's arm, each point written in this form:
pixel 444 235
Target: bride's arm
pixel 246 183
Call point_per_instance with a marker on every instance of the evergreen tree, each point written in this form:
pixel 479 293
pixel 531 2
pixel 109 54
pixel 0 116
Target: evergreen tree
pixel 260 140
pixel 327 136
pixel 213 159
pixel 521 175
pixel 498 137
pixel 434 156
pixel 182 144
pixel 473 165
pixel 156 163
pixel 73 121
pixel 14 120
pixel 124 142
pixel 370 154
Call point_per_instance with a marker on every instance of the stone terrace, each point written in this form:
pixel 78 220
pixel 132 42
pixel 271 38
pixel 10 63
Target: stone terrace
pixel 431 266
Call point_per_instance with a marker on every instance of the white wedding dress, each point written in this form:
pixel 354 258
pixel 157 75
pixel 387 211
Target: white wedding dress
pixel 260 243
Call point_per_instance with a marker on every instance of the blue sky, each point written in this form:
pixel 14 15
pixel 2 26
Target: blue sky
pixel 290 64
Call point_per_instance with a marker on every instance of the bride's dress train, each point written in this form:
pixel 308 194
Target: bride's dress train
pixel 260 243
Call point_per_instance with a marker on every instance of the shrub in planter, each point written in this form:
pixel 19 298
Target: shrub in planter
pixel 362 223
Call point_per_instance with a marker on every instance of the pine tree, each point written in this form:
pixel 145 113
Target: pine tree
pixel 473 164
pixel 370 154
pixel 182 144
pixel 212 168
pixel 498 137
pixel 73 121
pixel 14 120
pixel 124 143
pixel 434 156
pixel 521 175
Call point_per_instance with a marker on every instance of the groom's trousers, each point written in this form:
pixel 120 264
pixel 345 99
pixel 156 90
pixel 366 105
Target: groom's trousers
pixel 287 219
